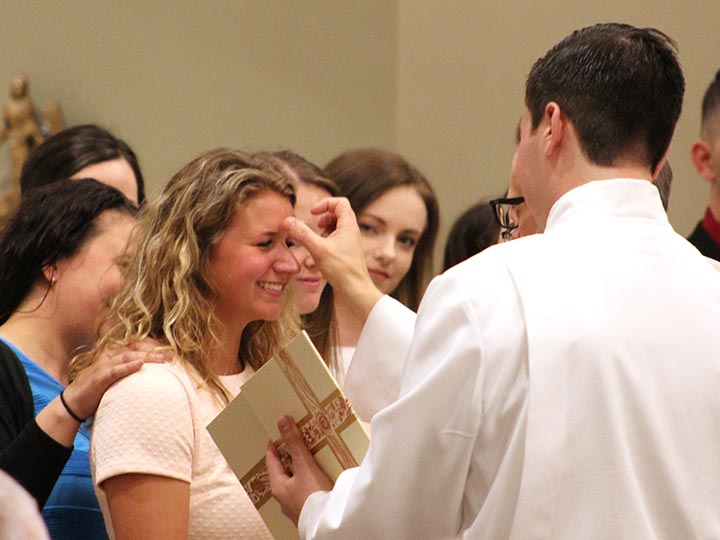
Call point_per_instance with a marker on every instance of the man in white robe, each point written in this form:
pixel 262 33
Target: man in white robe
pixel 564 385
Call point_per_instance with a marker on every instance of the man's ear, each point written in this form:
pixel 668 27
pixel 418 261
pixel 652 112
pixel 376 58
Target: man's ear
pixel 701 156
pixel 555 129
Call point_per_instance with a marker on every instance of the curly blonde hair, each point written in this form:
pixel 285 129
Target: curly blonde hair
pixel 168 293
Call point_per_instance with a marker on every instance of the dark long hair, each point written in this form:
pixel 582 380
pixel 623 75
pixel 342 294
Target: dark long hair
pixel 475 230
pixel 73 149
pixel 52 223
pixel 364 175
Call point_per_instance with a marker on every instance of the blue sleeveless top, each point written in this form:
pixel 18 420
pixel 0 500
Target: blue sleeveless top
pixel 72 511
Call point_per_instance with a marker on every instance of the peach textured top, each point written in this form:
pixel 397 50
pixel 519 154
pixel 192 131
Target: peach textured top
pixel 153 422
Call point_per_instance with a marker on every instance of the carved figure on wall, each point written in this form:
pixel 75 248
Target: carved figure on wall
pixel 24 130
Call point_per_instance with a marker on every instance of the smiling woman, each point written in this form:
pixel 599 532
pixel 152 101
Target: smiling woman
pixel 251 265
pixel 207 281
pixel 313 295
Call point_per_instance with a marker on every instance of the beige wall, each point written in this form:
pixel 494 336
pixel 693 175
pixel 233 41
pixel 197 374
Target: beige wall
pixel 439 81
pixel 175 78
pixel 461 73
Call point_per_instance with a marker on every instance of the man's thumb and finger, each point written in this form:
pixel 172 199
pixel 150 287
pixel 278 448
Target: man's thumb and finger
pixel 295 444
pixel 306 469
pixel 304 235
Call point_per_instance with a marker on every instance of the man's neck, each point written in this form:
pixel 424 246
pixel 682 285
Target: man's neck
pixel 629 170
pixel 588 172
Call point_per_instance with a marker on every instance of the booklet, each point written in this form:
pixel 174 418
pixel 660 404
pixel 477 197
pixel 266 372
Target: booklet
pixel 296 383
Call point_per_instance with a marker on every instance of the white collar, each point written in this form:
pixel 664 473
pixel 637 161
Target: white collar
pixel 619 197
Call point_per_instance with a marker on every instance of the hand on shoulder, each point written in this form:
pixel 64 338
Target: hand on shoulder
pixel 83 395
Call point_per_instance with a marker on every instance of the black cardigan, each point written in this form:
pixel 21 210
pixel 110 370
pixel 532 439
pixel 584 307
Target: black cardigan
pixel 704 242
pixel 27 453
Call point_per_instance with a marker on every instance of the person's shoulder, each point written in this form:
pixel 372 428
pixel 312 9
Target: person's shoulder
pixel 471 277
pixel 163 388
pixel 486 274
pixel 495 258
pixel 154 379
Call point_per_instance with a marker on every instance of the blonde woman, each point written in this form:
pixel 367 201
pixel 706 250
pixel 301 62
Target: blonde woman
pixel 207 280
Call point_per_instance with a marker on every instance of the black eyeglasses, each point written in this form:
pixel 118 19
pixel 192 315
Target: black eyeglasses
pixel 506 219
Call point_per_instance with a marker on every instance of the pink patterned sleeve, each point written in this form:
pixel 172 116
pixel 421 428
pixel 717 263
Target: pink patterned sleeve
pixel 144 425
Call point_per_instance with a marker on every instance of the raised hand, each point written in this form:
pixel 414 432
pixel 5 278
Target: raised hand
pixel 83 395
pixel 338 253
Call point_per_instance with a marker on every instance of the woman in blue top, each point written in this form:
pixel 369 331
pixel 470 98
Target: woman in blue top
pixel 57 271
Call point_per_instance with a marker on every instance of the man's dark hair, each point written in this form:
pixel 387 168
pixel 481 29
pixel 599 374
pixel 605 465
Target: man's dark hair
pixel 711 100
pixel 622 87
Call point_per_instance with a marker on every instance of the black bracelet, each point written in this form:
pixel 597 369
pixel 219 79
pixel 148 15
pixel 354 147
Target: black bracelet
pixel 68 409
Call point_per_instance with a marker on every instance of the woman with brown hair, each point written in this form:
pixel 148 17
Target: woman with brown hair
pixel 398 216
pixel 58 255
pixel 85 151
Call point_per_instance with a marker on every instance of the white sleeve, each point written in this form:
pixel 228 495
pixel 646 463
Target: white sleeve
pixel 144 425
pixel 411 483
pixel 373 378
